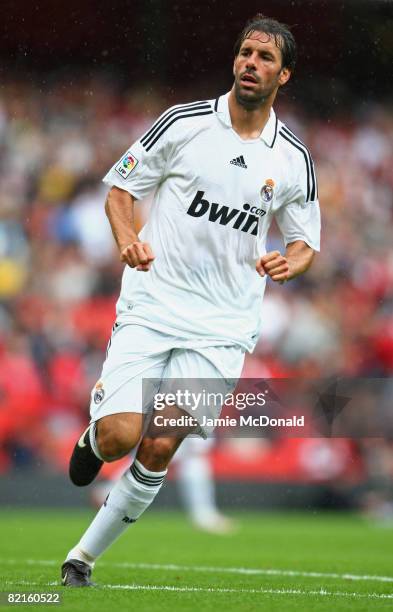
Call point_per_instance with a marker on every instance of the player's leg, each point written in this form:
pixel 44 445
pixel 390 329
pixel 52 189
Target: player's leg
pixel 116 400
pixel 194 479
pixel 117 407
pixel 159 444
pixel 131 495
pixel 116 435
pixel 128 499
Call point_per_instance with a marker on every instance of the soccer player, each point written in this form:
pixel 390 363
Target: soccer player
pixel 190 301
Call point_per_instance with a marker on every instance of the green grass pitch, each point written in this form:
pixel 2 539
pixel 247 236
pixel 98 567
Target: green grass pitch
pixel 290 561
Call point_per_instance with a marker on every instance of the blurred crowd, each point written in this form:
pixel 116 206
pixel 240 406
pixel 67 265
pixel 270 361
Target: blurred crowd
pixel 60 272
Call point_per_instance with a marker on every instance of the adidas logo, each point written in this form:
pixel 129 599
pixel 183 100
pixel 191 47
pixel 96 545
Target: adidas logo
pixel 239 161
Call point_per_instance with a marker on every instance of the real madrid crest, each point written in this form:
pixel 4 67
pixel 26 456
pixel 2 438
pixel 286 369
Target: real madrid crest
pixel 99 392
pixel 267 191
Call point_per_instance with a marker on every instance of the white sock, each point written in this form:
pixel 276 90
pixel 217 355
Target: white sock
pixel 128 499
pixel 93 441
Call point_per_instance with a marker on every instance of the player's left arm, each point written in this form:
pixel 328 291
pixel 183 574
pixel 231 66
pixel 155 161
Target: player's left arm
pixel 297 259
pixel 299 221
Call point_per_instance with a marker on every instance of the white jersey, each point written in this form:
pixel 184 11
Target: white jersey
pixel 215 198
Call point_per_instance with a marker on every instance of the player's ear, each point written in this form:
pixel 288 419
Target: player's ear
pixel 284 76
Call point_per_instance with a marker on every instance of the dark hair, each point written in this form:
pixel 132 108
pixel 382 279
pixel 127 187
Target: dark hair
pixel 283 37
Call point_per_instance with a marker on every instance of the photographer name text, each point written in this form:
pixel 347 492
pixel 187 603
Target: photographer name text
pixel 243 421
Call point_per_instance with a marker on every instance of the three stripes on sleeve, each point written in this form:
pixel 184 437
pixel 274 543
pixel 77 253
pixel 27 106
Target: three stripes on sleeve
pixel 195 109
pixel 312 190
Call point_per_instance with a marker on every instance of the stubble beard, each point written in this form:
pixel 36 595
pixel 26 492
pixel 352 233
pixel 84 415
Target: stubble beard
pixel 251 100
pixel 248 102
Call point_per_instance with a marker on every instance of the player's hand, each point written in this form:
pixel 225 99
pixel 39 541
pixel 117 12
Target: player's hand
pixel 274 265
pixel 138 255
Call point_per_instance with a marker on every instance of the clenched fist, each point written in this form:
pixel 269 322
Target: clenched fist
pixel 138 255
pixel 275 265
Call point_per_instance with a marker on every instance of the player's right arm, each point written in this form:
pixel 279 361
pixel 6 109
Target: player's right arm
pixel 136 174
pixel 119 208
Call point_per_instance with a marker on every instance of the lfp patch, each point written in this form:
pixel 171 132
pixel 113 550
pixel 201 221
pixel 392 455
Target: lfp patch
pixel 126 165
pixel 267 191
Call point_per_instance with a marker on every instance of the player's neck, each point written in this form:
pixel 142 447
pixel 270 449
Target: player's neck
pixel 248 123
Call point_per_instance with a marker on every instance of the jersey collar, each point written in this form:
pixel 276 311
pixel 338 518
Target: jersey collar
pixel 269 132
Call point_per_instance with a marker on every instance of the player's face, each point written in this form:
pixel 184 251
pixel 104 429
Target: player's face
pixel 257 70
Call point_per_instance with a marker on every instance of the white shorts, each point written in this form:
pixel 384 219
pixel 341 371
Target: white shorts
pixel 136 353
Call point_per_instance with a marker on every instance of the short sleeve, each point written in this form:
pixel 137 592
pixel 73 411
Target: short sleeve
pixel 299 217
pixel 142 167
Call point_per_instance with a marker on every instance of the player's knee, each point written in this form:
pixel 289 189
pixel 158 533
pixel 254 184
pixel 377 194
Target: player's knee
pixel 115 441
pixel 156 453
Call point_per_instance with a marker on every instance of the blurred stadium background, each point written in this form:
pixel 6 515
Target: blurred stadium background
pixel 79 82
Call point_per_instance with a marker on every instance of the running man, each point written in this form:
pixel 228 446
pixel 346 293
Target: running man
pixel 190 301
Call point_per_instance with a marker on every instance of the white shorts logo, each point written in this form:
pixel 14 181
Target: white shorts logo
pixel 126 165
